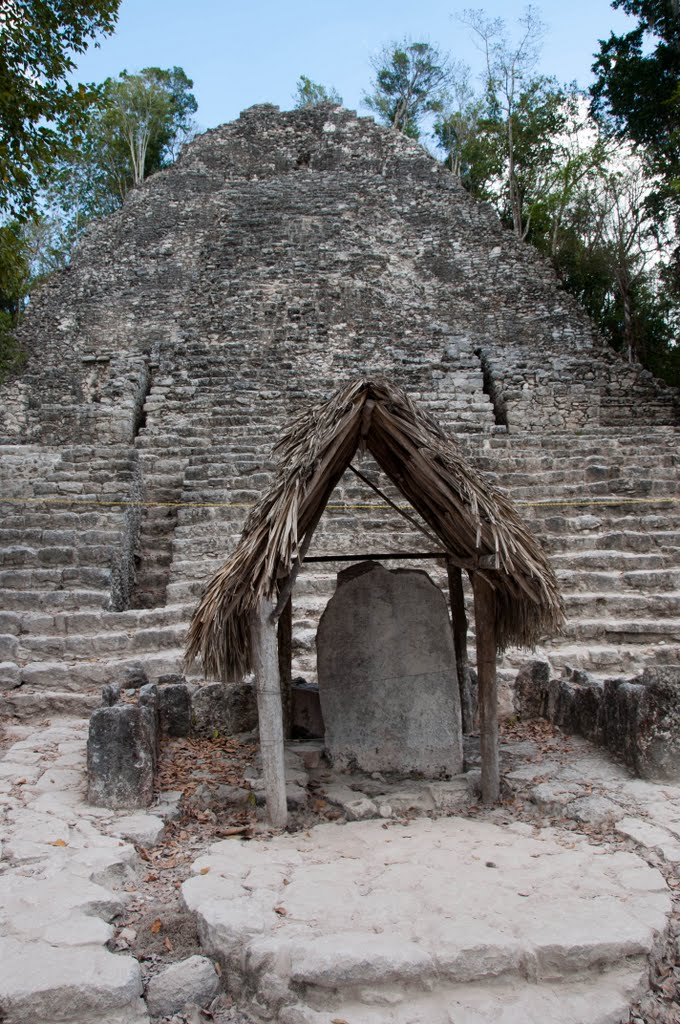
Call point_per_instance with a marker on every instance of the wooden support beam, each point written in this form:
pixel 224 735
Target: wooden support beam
pixel 460 628
pixel 485 629
pixel 269 711
pixel 376 556
pixel 285 641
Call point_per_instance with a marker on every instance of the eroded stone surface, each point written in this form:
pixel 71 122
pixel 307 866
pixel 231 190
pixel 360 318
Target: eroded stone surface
pixel 387 674
pixel 453 900
pixel 190 981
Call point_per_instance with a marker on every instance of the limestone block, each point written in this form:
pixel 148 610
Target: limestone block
pixel 120 757
pixel 531 690
pixel 224 708
pixel 10 675
pixel 175 709
pixel 387 674
pixel 145 829
pixel 190 981
pixel 70 984
pixel 658 725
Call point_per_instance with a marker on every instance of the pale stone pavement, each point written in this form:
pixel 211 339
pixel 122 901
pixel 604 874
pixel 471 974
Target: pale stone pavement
pixel 422 920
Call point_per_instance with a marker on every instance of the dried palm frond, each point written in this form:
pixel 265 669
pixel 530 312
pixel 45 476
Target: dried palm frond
pixel 477 527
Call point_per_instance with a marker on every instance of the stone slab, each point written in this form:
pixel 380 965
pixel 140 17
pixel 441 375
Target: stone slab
pixel 451 900
pixel 387 674
pixel 74 985
pixel 193 980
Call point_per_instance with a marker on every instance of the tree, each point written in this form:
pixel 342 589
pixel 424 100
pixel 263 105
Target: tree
pixel 638 81
pixel 523 112
pixel 410 82
pixel 40 111
pixel 136 127
pixel 311 94
pixel 142 121
pixel 636 97
pixel 530 148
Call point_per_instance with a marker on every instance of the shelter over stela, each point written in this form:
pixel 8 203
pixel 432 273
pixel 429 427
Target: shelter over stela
pixel 240 622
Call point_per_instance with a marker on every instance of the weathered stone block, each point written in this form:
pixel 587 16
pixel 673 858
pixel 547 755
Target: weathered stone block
pixel 110 694
pixel 531 690
pixel 387 674
pixel 120 757
pixel 223 708
pixel 306 719
pixel 189 981
pixel 149 707
pixel 657 745
pixel 134 676
pixel 10 675
pixel 175 709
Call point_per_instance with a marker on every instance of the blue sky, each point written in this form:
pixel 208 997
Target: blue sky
pixel 243 53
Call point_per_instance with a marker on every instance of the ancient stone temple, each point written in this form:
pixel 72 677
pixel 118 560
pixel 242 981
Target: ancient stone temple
pixel 281 256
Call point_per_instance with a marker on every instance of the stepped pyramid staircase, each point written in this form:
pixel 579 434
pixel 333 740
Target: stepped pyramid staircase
pixel 88 586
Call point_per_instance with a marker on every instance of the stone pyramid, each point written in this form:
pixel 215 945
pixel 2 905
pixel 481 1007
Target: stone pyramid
pixel 281 256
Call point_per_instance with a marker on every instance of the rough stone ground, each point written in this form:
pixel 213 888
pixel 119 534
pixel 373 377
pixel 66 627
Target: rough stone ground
pixel 78 881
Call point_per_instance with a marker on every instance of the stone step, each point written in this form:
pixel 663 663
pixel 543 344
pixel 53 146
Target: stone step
pixel 73 578
pixel 93 621
pixel 622 561
pixel 617 580
pixel 601 659
pixel 641 631
pixel 52 600
pixel 24 705
pixel 402 937
pixel 111 644
pixel 622 605
pixel 49 556
pixel 664 542
pixel 592 1000
pixel 81 676
pixel 56 518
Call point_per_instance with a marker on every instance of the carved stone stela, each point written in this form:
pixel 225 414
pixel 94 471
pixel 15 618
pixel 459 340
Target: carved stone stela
pixel 387 674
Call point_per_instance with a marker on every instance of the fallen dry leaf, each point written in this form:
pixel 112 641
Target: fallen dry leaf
pixel 281 911
pixel 143 853
pixel 168 944
pixel 156 926
pixel 204 871
pixel 59 842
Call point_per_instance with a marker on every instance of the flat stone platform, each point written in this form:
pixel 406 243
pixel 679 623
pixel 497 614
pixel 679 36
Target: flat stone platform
pixel 448 921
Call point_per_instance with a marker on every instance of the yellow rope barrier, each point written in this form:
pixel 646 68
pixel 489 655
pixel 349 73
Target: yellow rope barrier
pixel 342 507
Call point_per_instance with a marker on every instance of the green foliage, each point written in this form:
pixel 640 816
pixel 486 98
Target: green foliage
pixel 637 97
pixel 410 81
pixel 136 127
pixel 14 278
pixel 638 80
pixel 527 145
pixel 40 112
pixel 311 94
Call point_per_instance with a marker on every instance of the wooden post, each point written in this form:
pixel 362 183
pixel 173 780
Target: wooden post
pixel 269 711
pixel 460 626
pixel 285 640
pixel 485 628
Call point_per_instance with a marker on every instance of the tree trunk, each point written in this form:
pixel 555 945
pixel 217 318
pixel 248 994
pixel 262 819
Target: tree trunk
pixel 269 711
pixel 485 628
pixel 460 626
pixel 285 640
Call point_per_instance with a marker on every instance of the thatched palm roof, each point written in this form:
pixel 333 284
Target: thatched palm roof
pixel 478 528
